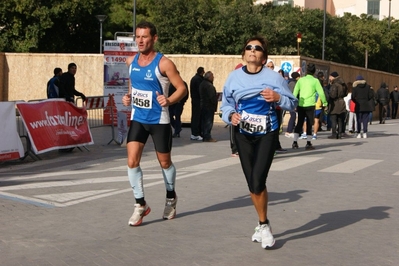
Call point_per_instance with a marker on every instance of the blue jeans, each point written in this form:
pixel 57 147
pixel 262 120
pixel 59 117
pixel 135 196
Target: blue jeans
pixel 362 121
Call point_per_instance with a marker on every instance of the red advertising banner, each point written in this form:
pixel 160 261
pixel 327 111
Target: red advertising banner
pixel 54 124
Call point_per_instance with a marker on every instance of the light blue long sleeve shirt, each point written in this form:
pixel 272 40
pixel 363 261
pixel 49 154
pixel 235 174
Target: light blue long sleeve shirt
pixel 241 85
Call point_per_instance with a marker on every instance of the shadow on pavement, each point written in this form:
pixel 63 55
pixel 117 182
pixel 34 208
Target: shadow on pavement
pixel 331 221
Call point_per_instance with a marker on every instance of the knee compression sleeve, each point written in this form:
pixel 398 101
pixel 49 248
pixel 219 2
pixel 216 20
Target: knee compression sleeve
pixel 169 177
pixel 136 181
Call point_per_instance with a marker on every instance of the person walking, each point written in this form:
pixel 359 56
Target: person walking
pixel 383 101
pixel 361 96
pixel 337 106
pixel 53 85
pixel 150 74
pixel 176 110
pixel 250 97
pixel 67 85
pixel 350 108
pixel 306 89
pixel 394 101
pixel 209 103
pixel 196 104
pixel 291 122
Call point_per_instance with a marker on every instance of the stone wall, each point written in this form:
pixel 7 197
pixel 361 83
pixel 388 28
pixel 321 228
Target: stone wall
pixel 24 76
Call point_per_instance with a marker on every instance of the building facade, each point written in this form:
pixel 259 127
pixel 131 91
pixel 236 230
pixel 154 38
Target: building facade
pixel 379 9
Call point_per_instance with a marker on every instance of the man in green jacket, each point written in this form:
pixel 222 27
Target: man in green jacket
pixel 305 90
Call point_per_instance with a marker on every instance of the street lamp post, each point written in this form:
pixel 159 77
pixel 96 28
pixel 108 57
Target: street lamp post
pixel 389 28
pixel 324 29
pixel 101 19
pixel 134 20
pixel 298 40
pixel 389 16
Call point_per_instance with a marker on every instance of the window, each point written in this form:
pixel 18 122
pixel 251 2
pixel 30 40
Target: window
pixel 373 8
pixel 283 2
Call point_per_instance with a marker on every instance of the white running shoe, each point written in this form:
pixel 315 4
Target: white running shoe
pixel 267 237
pixel 170 209
pixel 303 136
pixel 359 135
pixel 196 138
pixel 289 135
pixel 365 135
pixel 314 137
pixel 138 214
pixel 257 236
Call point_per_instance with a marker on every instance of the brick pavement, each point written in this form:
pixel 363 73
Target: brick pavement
pixel 336 205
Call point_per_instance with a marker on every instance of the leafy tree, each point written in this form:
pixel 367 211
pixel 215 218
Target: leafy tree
pixel 23 23
pixel 198 27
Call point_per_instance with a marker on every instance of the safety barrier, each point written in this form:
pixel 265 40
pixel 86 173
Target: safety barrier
pixel 39 100
pixel 101 111
pixel 23 134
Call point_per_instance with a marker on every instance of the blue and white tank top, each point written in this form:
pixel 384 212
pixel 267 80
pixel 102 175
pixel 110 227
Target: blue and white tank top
pixel 145 82
pixel 258 117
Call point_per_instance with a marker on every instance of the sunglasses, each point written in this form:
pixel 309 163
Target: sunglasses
pixel 254 47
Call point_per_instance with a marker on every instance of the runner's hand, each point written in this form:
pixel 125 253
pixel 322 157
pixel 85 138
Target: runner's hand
pixel 127 100
pixel 162 100
pixel 270 95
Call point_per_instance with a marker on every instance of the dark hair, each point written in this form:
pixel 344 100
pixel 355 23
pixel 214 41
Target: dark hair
pixel 263 44
pixel 200 70
pixel 320 74
pixel 310 69
pixel 147 25
pixel 57 70
pixel 71 65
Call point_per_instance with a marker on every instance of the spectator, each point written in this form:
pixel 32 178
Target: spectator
pixel 233 145
pixel 291 122
pixel 53 84
pixel 318 112
pixel 279 112
pixel 209 104
pixel 176 110
pixel 350 108
pixel 305 89
pixel 373 103
pixel 337 107
pixel 394 101
pixel 383 101
pixel 196 104
pixel 326 88
pixel 67 85
pixel 361 95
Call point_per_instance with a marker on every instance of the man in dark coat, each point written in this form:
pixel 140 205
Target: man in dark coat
pixel 394 101
pixel 361 96
pixel 383 101
pixel 209 104
pixel 337 106
pixel 195 104
pixel 67 85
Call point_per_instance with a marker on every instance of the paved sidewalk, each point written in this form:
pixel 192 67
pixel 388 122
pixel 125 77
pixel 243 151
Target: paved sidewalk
pixel 336 205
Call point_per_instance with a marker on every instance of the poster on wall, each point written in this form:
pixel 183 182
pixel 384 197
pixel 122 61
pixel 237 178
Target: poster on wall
pixel 116 73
